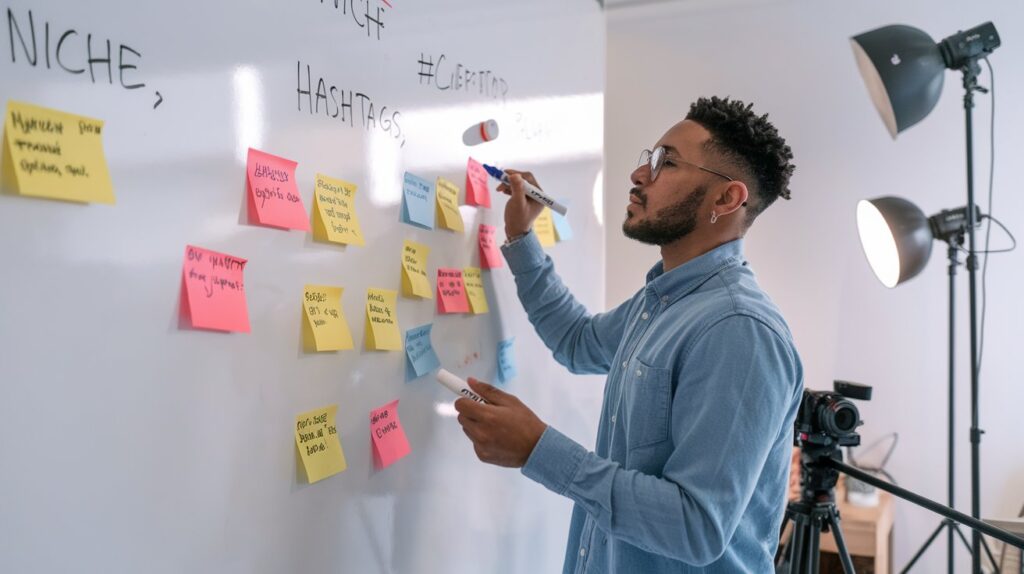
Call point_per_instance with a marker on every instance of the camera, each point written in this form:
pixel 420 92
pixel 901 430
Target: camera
pixel 830 418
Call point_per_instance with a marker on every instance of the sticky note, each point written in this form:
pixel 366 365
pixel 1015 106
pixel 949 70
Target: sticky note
pixel 490 256
pixel 506 360
pixel 451 292
pixel 382 333
pixel 477 192
pixel 562 229
pixel 214 286
pixel 419 351
pixel 273 194
pixel 53 154
pixel 324 327
pixel 475 290
pixel 417 202
pixel 544 227
pixel 316 436
pixel 334 212
pixel 448 215
pixel 415 282
pixel 389 442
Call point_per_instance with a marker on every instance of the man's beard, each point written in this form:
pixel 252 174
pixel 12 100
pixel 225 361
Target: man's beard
pixel 669 224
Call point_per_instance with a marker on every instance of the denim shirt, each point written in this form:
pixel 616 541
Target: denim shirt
pixel 691 467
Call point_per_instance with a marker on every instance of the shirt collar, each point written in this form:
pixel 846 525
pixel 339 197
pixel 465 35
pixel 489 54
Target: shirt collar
pixel 690 275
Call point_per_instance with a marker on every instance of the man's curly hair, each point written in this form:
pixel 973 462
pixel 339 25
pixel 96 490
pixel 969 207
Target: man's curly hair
pixel 750 143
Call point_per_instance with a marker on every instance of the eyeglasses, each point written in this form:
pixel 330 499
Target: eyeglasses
pixel 657 158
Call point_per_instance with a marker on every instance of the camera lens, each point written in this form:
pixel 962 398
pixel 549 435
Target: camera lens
pixel 838 416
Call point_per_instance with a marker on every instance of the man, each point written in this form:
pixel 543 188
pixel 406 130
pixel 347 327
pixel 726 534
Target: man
pixel 693 447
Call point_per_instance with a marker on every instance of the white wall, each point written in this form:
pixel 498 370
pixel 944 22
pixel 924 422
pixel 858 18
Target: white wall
pixel 793 60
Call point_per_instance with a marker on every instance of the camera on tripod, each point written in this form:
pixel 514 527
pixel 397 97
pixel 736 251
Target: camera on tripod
pixel 830 418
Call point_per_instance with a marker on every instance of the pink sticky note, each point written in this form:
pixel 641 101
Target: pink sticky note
pixel 387 436
pixel 477 192
pixel 451 291
pixel 213 287
pixel 273 194
pixel 490 256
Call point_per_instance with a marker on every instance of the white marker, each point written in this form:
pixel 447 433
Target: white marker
pixel 480 133
pixel 458 386
pixel 533 191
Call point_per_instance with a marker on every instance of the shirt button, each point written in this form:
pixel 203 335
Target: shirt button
pixel 644 316
pixel 623 364
pixel 664 299
pixel 583 551
pixel 639 373
pixel 613 418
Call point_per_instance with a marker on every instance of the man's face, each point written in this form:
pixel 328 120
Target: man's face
pixel 669 208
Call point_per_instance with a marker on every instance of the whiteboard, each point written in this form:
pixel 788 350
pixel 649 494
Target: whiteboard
pixel 132 444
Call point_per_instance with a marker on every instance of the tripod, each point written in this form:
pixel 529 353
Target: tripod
pixel 813 514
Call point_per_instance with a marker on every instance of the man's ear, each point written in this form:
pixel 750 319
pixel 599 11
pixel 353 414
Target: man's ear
pixel 732 197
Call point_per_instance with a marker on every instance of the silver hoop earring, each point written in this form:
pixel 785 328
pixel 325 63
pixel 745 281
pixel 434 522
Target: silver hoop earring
pixel 714 217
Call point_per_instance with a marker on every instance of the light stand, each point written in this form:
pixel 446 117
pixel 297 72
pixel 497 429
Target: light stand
pixel 905 89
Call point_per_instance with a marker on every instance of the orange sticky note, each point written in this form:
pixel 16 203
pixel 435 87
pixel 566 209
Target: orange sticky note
pixel 214 290
pixel 387 436
pixel 273 195
pixel 451 291
pixel 477 192
pixel 490 256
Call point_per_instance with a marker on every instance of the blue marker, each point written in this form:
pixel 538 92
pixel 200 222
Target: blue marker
pixel 531 190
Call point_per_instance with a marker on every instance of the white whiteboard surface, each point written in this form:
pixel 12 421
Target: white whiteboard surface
pixel 130 444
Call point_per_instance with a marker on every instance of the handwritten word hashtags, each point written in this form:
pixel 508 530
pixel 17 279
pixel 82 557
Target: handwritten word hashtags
pixel 372 18
pixel 340 104
pixel 460 78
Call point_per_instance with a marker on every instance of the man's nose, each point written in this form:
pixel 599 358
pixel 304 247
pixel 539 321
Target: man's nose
pixel 639 176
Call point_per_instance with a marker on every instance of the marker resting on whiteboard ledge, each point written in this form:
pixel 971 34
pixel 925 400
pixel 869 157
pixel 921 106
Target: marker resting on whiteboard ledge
pixel 533 191
pixel 458 386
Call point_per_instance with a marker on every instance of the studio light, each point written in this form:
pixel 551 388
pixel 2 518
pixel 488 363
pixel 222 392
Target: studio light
pixel 904 68
pixel 897 237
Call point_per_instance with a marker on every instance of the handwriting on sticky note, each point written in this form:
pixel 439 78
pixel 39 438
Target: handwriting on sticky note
pixel 420 351
pixel 316 436
pixel 417 202
pixel 506 360
pixel 448 205
pixel 490 256
pixel 451 291
pixel 334 212
pixel 53 154
pixel 273 193
pixel 415 282
pixel 214 286
pixel 475 290
pixel 477 192
pixel 382 332
pixel 389 440
pixel 325 328
pixel 544 227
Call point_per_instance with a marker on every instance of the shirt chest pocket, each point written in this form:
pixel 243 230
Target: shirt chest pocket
pixel 647 398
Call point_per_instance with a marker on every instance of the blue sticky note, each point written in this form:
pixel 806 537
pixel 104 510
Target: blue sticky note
pixel 506 361
pixel 418 202
pixel 562 223
pixel 420 352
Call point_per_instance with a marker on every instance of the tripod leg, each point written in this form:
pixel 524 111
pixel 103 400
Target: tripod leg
pixel 837 533
pixel 796 549
pixel 923 548
pixel 814 547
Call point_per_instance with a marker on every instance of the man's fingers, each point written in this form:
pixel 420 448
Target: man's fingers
pixel 490 393
pixel 470 409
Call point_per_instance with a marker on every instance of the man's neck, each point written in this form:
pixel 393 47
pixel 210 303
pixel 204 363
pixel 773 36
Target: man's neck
pixel 690 247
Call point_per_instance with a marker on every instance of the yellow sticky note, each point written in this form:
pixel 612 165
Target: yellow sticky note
pixel 324 327
pixel 316 436
pixel 334 212
pixel 544 227
pixel 414 270
pixel 448 215
pixel 475 290
pixel 53 154
pixel 382 332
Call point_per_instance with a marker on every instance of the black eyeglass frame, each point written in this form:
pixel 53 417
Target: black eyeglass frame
pixel 655 160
